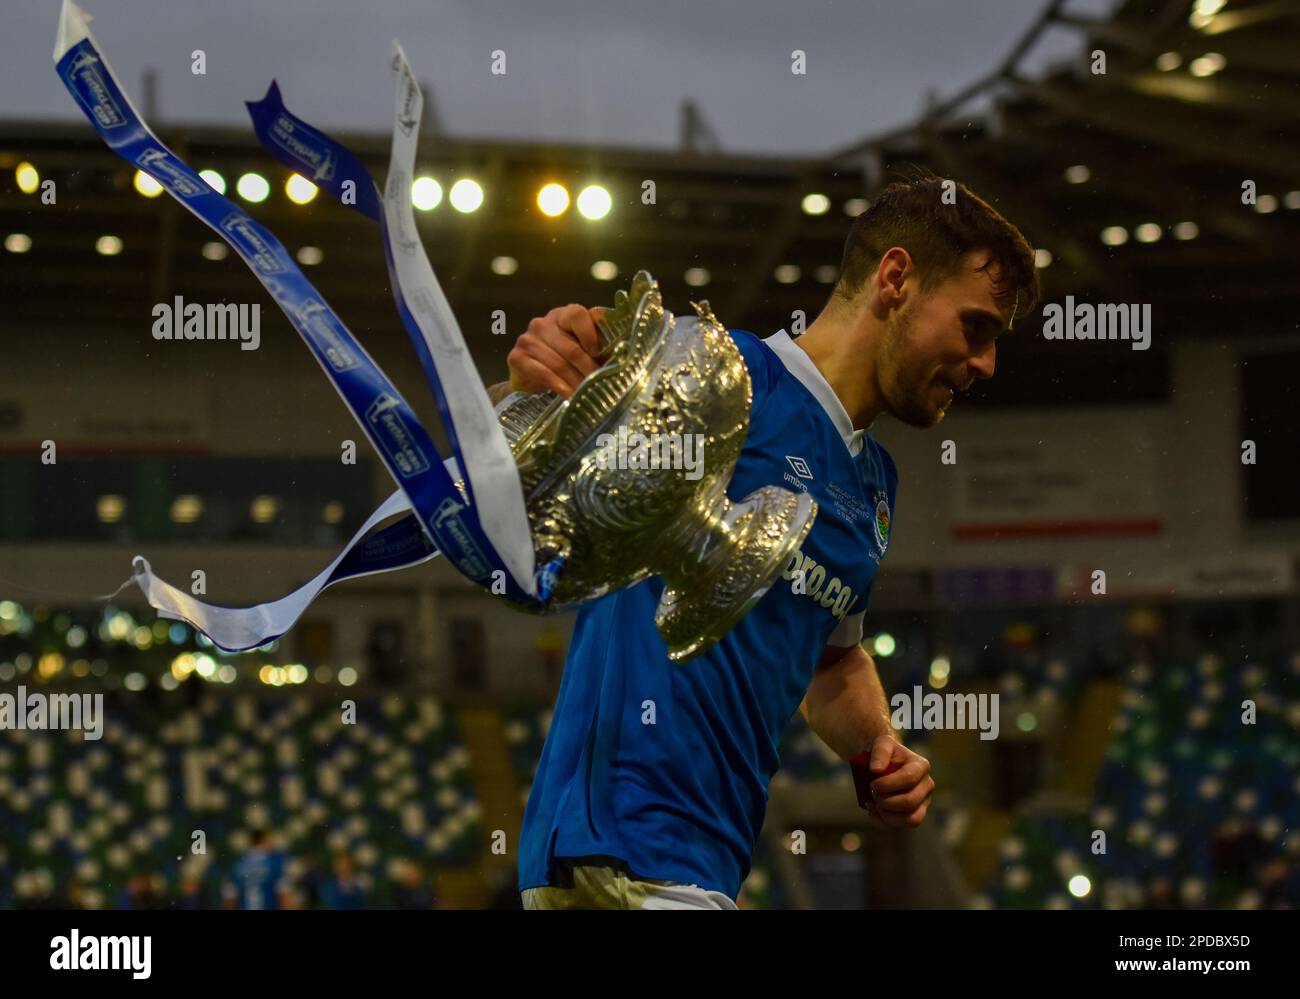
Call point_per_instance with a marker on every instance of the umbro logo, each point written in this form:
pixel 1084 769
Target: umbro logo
pixel 800 466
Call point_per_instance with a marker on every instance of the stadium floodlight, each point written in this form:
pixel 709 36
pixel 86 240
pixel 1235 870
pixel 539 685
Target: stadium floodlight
pixel 186 509
pixel 697 277
pixel 146 185
pixel 27 177
pixel 553 200
pixel 426 193
pixel 253 187
pixel 215 180
pixel 604 270
pixel 466 195
pixel 594 202
pixel 1148 232
pixel 18 242
pixel 787 273
pixel 108 246
pixel 263 509
pixel 109 508
pixel 816 204
pixel 299 189
pixel 1207 65
pixel 1202 15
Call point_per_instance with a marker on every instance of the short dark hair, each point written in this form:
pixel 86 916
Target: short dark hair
pixel 939 236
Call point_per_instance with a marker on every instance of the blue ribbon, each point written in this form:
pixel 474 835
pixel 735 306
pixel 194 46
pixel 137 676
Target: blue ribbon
pixel 334 168
pixel 449 522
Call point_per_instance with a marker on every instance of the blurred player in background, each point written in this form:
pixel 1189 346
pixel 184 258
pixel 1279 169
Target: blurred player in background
pixel 342 890
pixel 257 881
pixel 411 891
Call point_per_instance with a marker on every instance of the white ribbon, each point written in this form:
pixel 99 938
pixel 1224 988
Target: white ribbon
pixel 489 466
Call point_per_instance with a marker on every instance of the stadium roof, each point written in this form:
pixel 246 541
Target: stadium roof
pixel 1103 171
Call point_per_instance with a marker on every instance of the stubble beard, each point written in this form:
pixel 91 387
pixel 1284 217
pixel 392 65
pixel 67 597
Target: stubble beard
pixel 907 391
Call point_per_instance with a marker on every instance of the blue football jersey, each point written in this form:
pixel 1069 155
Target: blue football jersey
pixel 256 878
pixel 665 766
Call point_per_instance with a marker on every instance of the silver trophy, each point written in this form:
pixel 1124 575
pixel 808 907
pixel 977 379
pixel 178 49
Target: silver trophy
pixel 615 523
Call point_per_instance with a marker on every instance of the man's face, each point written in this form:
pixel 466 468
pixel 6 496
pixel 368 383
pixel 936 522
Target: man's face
pixel 939 343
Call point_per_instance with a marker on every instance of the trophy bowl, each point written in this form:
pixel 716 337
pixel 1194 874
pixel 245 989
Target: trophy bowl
pixel 628 477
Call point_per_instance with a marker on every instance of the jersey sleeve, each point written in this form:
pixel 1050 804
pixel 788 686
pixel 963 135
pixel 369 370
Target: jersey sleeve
pixel 849 631
pixel 756 361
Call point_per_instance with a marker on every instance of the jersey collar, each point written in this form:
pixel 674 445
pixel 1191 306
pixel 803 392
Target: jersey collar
pixel 799 364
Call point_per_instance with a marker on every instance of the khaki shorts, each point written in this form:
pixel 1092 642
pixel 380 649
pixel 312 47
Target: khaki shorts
pixel 596 887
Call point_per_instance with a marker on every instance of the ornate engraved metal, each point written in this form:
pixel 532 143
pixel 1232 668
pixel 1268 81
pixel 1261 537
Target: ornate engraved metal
pixel 665 378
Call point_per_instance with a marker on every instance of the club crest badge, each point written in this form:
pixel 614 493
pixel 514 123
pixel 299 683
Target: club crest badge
pixel 882 524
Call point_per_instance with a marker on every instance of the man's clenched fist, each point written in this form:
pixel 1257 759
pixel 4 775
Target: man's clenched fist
pixel 557 351
pixel 902 785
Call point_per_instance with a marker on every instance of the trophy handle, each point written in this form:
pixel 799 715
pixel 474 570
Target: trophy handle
pixel 734 553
